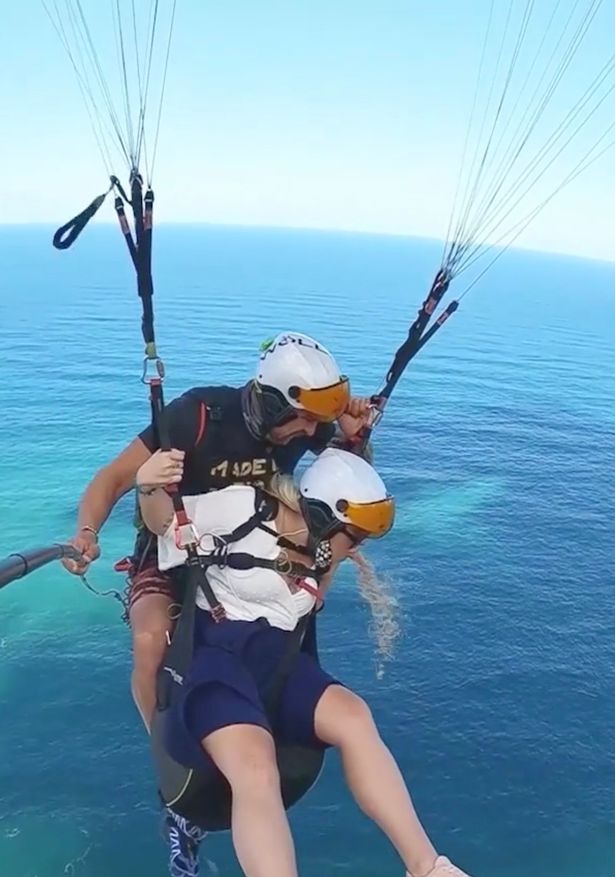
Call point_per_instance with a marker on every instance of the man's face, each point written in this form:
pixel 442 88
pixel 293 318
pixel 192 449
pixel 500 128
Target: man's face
pixel 303 424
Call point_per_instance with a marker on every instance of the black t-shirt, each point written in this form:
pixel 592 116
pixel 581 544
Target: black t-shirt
pixel 208 424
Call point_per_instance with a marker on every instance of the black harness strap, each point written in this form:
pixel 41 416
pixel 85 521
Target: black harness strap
pixel 68 233
pixel 284 668
pixel 125 228
pixel 283 542
pixel 179 653
pixel 266 508
pixel 243 561
pixel 140 249
pixel 417 338
pixel 410 346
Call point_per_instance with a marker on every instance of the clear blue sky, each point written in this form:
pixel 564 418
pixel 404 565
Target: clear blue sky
pixel 320 113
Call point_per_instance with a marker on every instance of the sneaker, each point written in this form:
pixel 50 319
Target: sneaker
pixel 443 867
pixel 183 838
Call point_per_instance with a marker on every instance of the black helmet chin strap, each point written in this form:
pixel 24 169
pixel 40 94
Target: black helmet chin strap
pixel 275 407
pixel 252 408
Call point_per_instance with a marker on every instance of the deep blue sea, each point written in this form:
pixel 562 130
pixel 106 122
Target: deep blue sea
pixel 500 448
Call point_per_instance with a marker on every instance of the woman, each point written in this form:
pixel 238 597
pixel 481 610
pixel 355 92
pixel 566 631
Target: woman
pixel 341 501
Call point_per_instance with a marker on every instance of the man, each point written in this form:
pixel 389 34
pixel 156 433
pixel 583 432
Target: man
pixel 222 435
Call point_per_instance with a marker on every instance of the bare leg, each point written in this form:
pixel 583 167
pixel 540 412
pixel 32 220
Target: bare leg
pixel 343 720
pixel 245 754
pixel 150 624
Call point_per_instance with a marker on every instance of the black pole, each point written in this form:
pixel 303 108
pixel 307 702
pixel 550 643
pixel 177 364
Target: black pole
pixel 19 564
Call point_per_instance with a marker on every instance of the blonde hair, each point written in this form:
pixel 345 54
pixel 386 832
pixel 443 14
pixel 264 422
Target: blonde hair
pixel 374 591
pixel 284 488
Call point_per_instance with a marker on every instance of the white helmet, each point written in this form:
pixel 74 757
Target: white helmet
pixel 341 489
pixel 296 373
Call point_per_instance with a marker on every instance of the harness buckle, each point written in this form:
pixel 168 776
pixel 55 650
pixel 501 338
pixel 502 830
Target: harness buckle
pixel 185 536
pixel 283 564
pixel 376 408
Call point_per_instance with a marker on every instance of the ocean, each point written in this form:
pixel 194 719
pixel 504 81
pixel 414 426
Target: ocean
pixel 499 445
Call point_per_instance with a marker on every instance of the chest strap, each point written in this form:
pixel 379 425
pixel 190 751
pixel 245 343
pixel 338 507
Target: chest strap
pixel 243 561
pixel 266 508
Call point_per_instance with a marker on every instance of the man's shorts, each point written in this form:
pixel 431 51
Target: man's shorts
pixel 145 578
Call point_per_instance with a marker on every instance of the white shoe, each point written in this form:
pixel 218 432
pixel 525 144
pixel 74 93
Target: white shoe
pixel 443 867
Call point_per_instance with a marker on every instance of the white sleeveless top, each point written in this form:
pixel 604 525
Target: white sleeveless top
pixel 245 594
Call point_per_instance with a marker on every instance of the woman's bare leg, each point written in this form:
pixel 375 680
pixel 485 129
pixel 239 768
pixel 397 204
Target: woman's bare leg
pixel 245 754
pixel 343 720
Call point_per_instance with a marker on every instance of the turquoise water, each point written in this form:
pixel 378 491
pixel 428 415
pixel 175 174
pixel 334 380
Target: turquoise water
pixel 500 446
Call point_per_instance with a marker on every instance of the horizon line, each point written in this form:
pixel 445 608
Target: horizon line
pixel 100 221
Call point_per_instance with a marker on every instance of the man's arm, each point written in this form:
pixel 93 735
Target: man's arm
pixel 102 493
pixel 351 425
pixel 114 480
pixel 109 484
pixel 344 433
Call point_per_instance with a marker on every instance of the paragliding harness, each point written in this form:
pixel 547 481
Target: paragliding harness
pixel 203 798
pixel 207 801
pixel 179 653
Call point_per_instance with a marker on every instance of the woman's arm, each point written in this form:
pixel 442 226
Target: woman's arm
pixel 326 582
pixel 156 509
pixel 162 468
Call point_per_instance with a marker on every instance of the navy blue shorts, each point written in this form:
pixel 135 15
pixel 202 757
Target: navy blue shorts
pixel 233 664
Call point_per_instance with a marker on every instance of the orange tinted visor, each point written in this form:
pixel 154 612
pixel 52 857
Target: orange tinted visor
pixel 325 403
pixel 375 518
